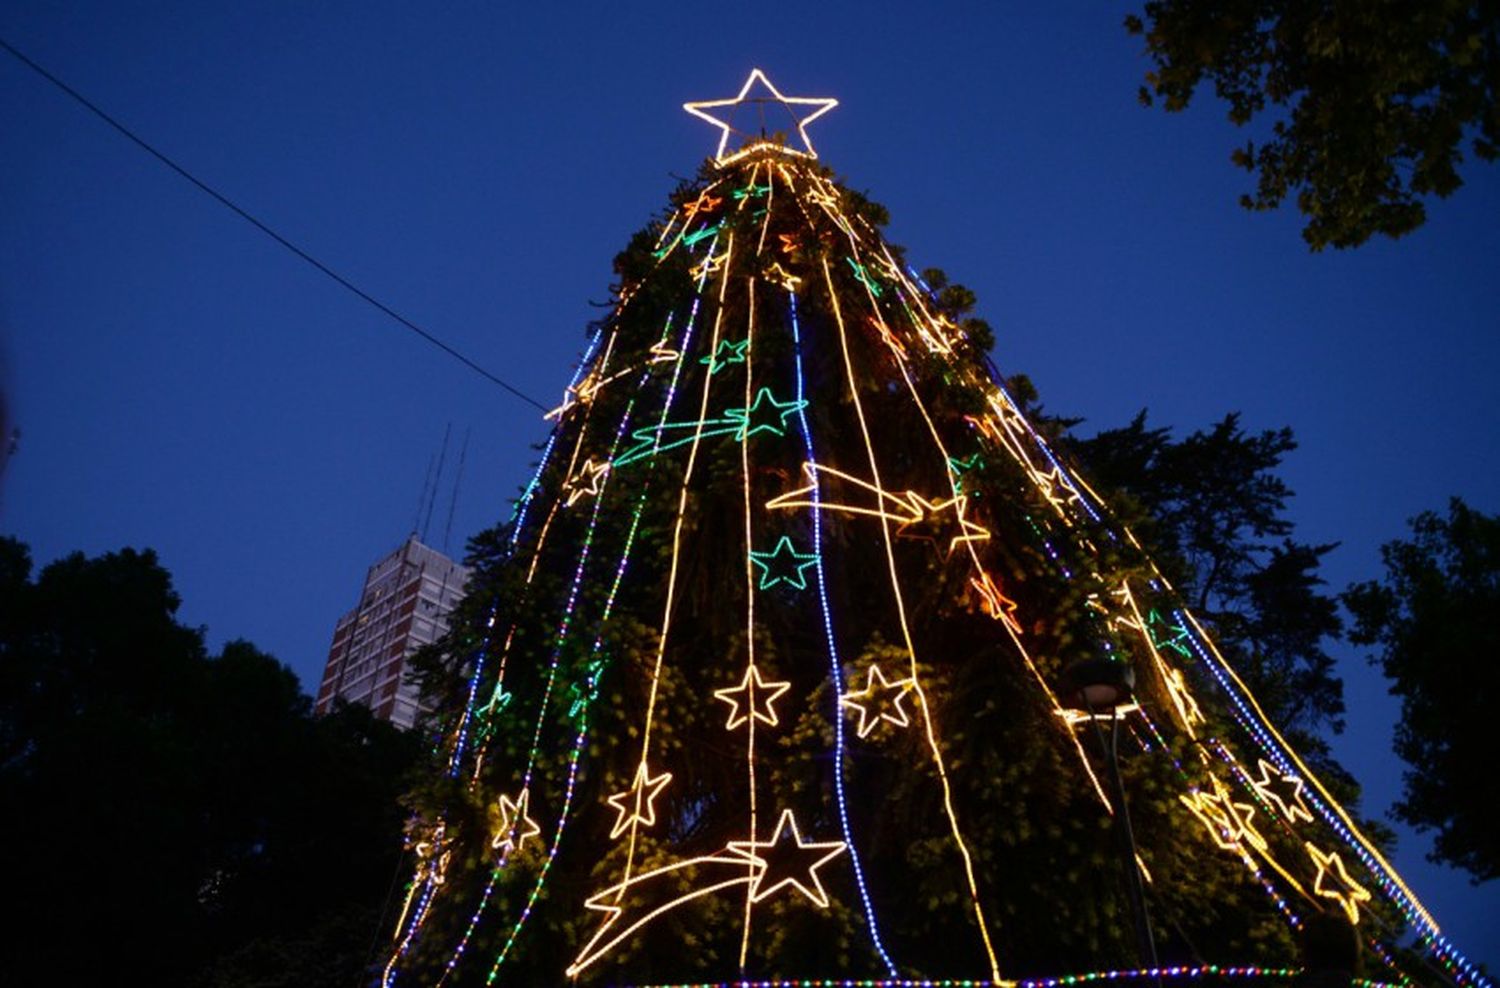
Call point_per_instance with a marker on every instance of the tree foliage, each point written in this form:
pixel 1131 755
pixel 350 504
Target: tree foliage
pixel 1372 101
pixel 1213 508
pixel 172 814
pixel 1432 617
pixel 559 670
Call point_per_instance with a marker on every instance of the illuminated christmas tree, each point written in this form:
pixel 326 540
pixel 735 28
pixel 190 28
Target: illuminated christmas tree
pixel 804 655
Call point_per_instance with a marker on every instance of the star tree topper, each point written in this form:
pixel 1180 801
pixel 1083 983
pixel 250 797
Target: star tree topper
pixel 821 106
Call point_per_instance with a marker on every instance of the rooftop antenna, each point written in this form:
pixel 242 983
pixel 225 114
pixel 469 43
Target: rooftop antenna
pixel 463 452
pixel 437 478
pixel 416 521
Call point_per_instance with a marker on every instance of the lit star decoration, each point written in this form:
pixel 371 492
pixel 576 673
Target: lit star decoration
pixel 1294 810
pixel 1049 483
pixel 942 523
pixel 582 393
pixel 783 564
pixel 662 353
pixel 888 338
pixel 1182 700
pixel 698 109
pixel 995 603
pixel 433 852
pixel 515 824
pixel 1175 641
pixel 783 277
pixel 880 700
pixel 729 352
pixel 863 277
pixel 752 698
pixel 638 803
pixel 587 481
pixel 787 859
pixel 708 266
pixel 703 204
pixel 962 465
pixel 1226 821
pixel 692 238
pixel 764 414
pixel 1333 882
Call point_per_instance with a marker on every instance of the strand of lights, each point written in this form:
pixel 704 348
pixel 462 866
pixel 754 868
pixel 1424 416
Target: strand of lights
pixel 667 405
pixel 834 663
pixel 583 367
pixel 1281 753
pixel 682 498
pixel 1012 627
pixel 932 743
pixel 582 735
pixel 1185 973
pixel 518 517
pixel 579 741
pixel 750 668
pixel 506 841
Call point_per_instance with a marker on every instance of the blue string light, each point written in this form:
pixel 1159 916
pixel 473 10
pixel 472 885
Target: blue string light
pixel 833 659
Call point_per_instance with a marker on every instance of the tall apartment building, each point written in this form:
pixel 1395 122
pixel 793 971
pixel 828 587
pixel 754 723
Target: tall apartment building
pixel 405 605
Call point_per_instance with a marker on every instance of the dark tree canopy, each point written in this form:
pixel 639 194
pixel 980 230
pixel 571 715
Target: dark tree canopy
pixel 174 814
pixel 1374 103
pixel 1432 617
pixel 1214 509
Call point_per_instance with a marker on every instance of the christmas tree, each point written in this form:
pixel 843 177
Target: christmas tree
pixel 805 656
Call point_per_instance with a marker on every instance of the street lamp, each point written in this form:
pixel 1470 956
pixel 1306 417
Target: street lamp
pixel 1095 687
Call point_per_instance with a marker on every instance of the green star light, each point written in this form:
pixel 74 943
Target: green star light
pixel 728 353
pixel 783 564
pixel 765 414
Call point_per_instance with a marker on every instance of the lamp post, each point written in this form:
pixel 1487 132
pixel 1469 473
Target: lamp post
pixel 1101 685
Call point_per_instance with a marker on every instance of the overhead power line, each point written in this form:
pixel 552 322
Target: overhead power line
pixel 248 217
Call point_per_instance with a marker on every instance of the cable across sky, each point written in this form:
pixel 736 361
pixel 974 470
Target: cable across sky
pixel 260 225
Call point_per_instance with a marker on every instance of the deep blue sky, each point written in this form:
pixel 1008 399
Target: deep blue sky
pixel 185 384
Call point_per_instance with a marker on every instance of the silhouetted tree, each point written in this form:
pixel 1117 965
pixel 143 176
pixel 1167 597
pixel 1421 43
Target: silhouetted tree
pixel 1213 507
pixel 1432 616
pixel 1372 100
pixel 171 815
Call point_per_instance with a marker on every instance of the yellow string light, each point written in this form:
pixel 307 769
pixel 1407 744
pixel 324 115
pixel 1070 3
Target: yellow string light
pixel 932 742
pixel 682 501
pixel 750 607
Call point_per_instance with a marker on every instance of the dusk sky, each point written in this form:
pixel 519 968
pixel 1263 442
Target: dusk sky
pixel 184 383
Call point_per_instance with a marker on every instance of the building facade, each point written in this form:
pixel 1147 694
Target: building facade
pixel 405 605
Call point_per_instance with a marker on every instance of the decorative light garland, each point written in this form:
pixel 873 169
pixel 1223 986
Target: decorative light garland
pixel 1238 813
